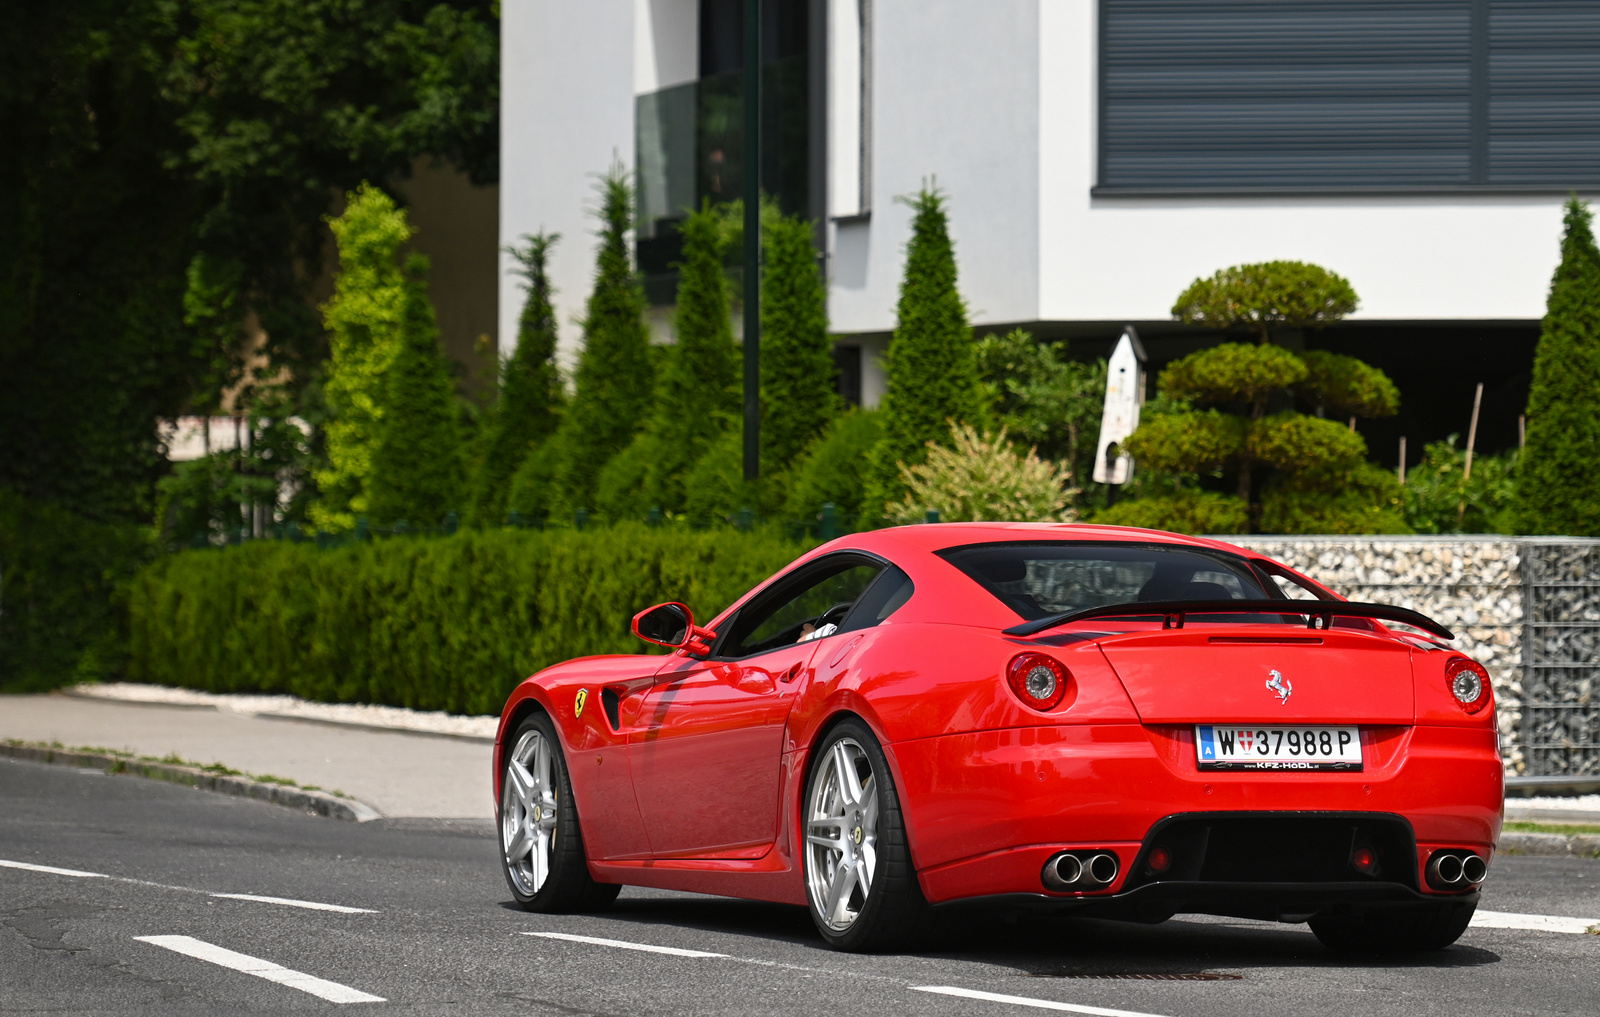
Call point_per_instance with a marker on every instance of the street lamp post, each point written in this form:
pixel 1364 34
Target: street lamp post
pixel 752 239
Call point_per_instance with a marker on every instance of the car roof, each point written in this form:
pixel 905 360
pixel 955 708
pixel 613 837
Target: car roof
pixel 926 538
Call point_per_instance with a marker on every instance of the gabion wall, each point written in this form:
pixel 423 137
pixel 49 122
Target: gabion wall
pixel 1528 609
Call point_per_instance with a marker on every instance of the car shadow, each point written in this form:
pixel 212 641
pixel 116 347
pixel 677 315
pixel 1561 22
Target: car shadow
pixel 1044 946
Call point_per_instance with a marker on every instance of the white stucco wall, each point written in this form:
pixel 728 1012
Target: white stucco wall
pixel 566 101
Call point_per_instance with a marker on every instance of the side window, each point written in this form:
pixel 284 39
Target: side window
pixel 884 597
pixel 1287 585
pixel 811 607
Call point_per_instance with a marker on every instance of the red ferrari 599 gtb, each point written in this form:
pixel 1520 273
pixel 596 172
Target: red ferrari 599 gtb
pixel 1124 723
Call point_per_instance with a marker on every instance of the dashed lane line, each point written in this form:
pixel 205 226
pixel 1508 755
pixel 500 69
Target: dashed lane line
pixel 333 992
pixel 310 905
pixel 622 945
pixel 1037 1004
pixel 1533 923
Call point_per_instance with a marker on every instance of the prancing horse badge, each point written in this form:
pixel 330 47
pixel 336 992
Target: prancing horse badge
pixel 1280 685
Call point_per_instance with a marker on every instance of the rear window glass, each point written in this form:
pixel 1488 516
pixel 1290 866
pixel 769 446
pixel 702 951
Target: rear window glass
pixel 1040 580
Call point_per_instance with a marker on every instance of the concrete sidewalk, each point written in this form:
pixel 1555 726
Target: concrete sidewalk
pixel 399 774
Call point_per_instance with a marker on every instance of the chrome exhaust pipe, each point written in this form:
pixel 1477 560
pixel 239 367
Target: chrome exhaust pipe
pixel 1102 869
pixel 1445 870
pixel 1474 869
pixel 1062 871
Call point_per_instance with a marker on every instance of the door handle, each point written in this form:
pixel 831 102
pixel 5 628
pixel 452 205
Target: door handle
pixel 791 674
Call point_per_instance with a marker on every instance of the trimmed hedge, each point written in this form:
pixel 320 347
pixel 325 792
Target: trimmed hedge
pixel 432 624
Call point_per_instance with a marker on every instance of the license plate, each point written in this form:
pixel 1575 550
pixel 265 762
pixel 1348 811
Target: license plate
pixel 1277 747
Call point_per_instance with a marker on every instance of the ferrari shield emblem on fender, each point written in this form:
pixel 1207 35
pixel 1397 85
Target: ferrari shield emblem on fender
pixel 1279 685
pixel 583 697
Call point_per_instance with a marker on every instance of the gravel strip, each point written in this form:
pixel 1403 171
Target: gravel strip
pixel 386 718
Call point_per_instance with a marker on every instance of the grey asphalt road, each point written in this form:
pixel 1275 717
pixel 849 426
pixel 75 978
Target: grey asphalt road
pixel 439 935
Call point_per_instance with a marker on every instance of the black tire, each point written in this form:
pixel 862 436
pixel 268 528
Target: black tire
pixel 554 834
pixel 1381 932
pixel 887 914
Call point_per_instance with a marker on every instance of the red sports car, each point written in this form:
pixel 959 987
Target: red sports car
pixel 1125 723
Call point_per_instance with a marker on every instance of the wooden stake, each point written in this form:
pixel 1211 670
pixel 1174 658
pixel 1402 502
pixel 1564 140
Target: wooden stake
pixel 1466 473
pixel 1402 470
pixel 1522 431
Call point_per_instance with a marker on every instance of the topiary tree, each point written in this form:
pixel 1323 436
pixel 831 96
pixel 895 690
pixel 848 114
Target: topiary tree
pixel 417 468
pixel 698 394
pixel 1558 489
pixel 614 380
pixel 1265 296
pixel 1219 419
pixel 531 397
pixel 981 477
pixel 363 320
pixel 932 370
pixel 799 379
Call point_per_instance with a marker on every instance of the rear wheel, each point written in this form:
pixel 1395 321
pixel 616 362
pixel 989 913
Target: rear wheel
pixel 859 879
pixel 1390 932
pixel 541 844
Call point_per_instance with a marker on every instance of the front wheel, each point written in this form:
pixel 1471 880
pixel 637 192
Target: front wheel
pixel 541 844
pixel 857 860
pixel 1392 932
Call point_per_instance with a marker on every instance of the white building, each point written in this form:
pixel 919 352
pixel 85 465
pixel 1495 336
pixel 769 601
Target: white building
pixel 1098 156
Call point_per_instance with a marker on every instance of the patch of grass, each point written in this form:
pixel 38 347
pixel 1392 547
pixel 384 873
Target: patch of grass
pixel 1530 826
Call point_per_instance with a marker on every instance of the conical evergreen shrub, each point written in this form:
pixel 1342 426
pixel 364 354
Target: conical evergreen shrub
pixel 1558 487
pixel 531 397
pixel 932 366
pixel 363 322
pixel 697 395
pixel 614 383
pixel 417 466
pixel 799 379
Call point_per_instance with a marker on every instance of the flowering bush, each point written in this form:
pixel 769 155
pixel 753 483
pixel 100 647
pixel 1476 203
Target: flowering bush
pixel 983 477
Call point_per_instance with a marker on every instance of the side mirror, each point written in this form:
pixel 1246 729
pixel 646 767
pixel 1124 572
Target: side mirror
pixel 672 624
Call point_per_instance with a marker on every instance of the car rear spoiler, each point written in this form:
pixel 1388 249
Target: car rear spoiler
pixel 1318 613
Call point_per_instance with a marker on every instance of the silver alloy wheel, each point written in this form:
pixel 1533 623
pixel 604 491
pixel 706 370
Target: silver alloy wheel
pixel 842 834
pixel 528 812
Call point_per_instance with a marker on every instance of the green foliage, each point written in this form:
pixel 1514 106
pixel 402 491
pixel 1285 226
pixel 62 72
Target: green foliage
pixel 207 499
pixel 1187 441
pixel 830 471
pixel 1049 403
pixel 1233 372
pixel 1186 512
pixel 981 477
pixel 58 576
pixel 1363 499
pixel 1347 387
pixel 698 394
pixel 1296 443
pixel 715 489
pixel 417 467
pixel 364 325
pixel 614 380
pixel 1559 488
pixel 441 624
pixel 623 488
pixel 799 389
pixel 1440 498
pixel 531 397
pixel 278 103
pixel 931 362
pixel 533 485
pixel 1261 297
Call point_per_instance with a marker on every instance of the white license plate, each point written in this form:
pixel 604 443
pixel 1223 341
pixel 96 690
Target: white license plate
pixel 1277 747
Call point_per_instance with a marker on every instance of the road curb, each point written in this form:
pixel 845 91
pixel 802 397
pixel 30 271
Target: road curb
pixel 1582 845
pixel 319 802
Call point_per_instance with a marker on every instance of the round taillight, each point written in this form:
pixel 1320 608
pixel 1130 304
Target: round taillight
pixel 1038 680
pixel 1468 683
pixel 1363 859
pixel 1160 859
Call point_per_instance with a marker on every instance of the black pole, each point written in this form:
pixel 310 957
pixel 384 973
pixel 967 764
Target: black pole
pixel 752 239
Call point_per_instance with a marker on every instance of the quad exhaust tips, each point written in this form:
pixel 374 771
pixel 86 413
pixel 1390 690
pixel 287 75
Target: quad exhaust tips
pixel 1066 871
pixel 1456 870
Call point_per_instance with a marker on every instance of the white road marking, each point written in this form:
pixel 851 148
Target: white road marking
pixel 291 902
pixel 310 904
pixel 623 945
pixel 1534 923
pixel 1038 1004
pixel 333 992
pixel 53 870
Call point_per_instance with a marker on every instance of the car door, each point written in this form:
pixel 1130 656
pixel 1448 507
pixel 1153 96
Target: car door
pixel 707 751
